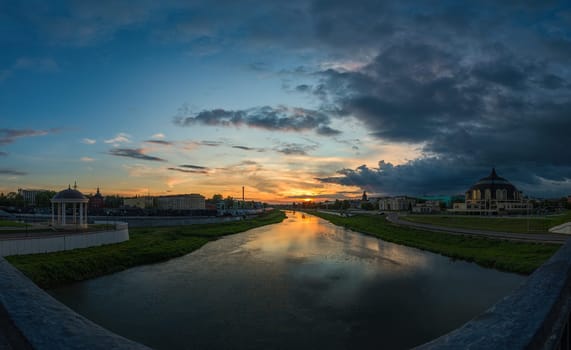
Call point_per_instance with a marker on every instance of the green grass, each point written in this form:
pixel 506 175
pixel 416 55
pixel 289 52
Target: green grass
pixel 516 225
pixel 146 246
pixel 503 224
pixel 504 255
pixel 9 223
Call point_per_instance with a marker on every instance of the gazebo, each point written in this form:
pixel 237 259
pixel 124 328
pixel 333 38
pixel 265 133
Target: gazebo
pixel 78 204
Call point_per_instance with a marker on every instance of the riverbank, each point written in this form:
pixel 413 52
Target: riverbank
pixel 508 256
pixel 504 224
pixel 145 246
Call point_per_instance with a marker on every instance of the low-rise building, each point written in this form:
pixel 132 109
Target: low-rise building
pixel 96 201
pixel 400 203
pixel 181 202
pixel 29 195
pixel 143 202
pixel 428 207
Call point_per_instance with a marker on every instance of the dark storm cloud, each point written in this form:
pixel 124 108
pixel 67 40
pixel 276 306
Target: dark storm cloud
pixel 295 148
pixel 210 143
pixel 475 84
pixel 418 177
pixel 190 166
pixel 160 142
pixel 136 153
pixel 506 109
pixel 244 148
pixel 269 118
pixel 12 172
pixel 189 171
pixel 3 154
pixel 8 136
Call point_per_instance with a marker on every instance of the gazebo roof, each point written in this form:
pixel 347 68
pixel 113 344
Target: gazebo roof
pixel 69 195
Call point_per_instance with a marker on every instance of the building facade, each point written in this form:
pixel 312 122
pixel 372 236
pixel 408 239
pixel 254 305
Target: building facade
pixel 29 196
pixel 428 207
pixel 402 203
pixel 96 201
pixel 181 202
pixel 493 195
pixel 144 202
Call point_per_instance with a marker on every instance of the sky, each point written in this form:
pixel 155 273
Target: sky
pixel 294 100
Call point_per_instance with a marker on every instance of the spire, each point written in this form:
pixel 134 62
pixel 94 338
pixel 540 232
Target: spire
pixel 75 185
pixel 493 174
pixel 97 189
pixel 68 186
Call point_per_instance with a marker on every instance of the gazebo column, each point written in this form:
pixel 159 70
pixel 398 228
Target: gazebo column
pixel 63 214
pixel 81 214
pixel 53 218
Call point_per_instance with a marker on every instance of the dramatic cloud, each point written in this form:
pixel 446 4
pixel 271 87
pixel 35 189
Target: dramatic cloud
pixel 87 159
pixel 211 143
pixel 269 118
pixel 89 141
pixel 8 136
pixel 190 166
pixel 159 135
pixel 119 138
pixel 432 176
pixel 245 148
pixel 160 142
pixel 3 154
pixel 12 172
pixel 189 171
pixel 295 149
pixel 136 153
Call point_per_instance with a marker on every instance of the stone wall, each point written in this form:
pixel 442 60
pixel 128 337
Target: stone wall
pixel 54 243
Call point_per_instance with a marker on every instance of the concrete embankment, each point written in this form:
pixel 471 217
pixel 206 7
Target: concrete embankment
pixel 50 242
pixel 30 318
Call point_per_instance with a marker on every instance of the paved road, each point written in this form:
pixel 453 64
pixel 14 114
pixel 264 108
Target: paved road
pixel 524 237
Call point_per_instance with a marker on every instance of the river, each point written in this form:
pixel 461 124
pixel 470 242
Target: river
pixel 300 284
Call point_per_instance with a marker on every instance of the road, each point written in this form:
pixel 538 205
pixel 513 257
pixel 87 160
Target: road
pixel 523 237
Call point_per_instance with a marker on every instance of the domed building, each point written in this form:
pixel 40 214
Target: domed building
pixel 493 195
pixel 73 200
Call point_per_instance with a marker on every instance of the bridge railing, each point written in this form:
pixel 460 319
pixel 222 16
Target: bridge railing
pixel 535 316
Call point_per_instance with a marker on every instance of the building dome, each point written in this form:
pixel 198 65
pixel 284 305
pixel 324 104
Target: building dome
pixel 69 194
pixel 98 194
pixel 493 187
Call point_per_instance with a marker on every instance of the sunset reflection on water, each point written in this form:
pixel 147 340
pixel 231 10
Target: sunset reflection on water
pixel 300 284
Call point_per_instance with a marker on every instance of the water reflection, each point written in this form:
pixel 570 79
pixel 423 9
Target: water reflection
pixel 301 284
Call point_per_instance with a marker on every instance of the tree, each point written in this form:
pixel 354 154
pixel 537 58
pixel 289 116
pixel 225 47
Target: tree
pixel 229 202
pixel 43 199
pixel 217 197
pixel 113 201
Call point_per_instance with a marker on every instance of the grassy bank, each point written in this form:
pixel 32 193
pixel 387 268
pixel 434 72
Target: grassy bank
pixel 503 255
pixel 10 223
pixel 146 246
pixel 514 224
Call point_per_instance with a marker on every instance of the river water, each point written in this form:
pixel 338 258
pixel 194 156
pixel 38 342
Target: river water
pixel 301 284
